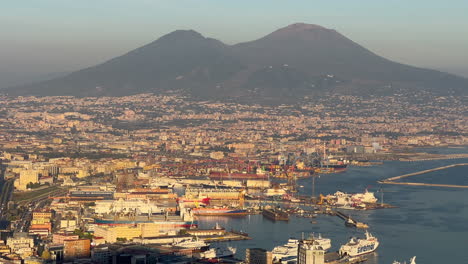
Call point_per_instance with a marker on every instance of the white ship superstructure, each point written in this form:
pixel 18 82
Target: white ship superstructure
pixel 192 244
pixel 287 250
pixel 325 243
pixel 290 249
pixel 359 246
pixel 412 261
pixel 215 253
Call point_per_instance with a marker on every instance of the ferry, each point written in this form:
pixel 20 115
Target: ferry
pixel 214 254
pixel 290 249
pixel 412 261
pixel 358 246
pixel 285 251
pixel 193 244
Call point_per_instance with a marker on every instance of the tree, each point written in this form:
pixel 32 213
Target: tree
pixel 45 255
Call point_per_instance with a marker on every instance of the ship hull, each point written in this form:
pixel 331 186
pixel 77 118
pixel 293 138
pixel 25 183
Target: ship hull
pixel 217 212
pixel 236 176
pixel 110 222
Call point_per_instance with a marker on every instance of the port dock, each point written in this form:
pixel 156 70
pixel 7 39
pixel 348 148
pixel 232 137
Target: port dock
pixel 393 180
pixel 229 236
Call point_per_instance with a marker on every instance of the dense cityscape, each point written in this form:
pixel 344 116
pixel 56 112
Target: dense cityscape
pixel 129 179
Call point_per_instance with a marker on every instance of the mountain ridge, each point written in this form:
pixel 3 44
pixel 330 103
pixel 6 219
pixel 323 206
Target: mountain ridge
pixel 296 60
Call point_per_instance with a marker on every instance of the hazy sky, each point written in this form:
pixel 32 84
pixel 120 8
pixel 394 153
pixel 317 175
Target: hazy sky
pixel 44 36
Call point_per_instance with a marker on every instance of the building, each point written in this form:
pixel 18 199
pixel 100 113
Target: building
pixel 26 177
pixel 258 256
pixel 79 248
pixel 310 252
pixel 21 243
pixel 101 254
pixel 58 238
pixel 112 234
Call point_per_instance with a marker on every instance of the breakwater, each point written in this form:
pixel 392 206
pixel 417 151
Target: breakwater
pixel 393 180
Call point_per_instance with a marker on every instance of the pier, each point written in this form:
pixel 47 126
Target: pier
pixel 392 180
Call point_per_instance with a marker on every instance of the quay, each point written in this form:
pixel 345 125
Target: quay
pixel 229 236
pixel 393 179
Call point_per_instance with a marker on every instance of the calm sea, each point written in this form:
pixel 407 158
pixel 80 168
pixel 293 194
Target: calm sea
pixel 430 223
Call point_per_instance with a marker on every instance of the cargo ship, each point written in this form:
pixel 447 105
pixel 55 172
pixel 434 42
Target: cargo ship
pixel 164 224
pixel 216 175
pixel 275 214
pixel 164 221
pixel 219 212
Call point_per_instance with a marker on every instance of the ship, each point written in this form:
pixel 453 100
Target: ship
pixel 164 221
pixel 352 223
pixel 412 261
pixel 193 244
pixel 289 250
pixel 359 246
pixel 213 254
pixel 164 224
pixel 216 175
pixel 275 214
pixel 202 200
pixel 325 243
pixel 219 212
pixel 285 251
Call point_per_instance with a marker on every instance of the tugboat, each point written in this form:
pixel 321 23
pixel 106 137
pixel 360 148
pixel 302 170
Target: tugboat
pixel 358 246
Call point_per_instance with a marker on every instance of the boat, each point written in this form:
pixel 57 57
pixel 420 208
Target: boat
pixel 412 261
pixel 275 214
pixel 215 175
pixel 219 212
pixel 194 244
pixel 361 225
pixel 196 201
pixel 351 201
pixel 325 243
pixel 352 223
pixel 358 246
pixel 216 253
pixel 289 250
pixel 165 223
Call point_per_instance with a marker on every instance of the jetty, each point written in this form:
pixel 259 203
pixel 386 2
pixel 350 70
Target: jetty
pixel 350 221
pixel 393 180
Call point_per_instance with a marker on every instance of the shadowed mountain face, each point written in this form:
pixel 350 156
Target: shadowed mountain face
pixel 297 60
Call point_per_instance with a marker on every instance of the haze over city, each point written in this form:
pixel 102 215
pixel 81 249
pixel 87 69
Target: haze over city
pixel 43 37
pixel 247 132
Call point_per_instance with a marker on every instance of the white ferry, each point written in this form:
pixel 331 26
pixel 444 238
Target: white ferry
pixel 412 261
pixel 193 244
pixel 216 253
pixel 289 250
pixel 358 246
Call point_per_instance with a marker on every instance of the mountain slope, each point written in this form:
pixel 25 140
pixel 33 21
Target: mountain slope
pixel 297 60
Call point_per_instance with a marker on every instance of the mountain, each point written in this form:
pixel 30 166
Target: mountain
pixel 300 59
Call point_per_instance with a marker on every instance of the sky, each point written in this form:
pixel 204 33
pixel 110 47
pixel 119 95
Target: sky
pixel 39 37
